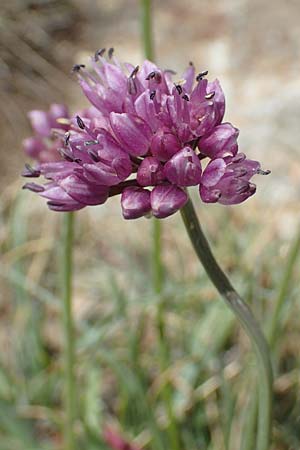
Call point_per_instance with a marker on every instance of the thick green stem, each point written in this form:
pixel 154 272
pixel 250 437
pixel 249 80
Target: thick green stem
pixel 69 350
pixel 245 317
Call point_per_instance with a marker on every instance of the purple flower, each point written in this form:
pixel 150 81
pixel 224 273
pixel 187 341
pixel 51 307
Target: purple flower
pixel 166 200
pixel 184 168
pixel 143 129
pixel 164 145
pixel 227 180
pixel 221 142
pixel 135 202
pixel 150 172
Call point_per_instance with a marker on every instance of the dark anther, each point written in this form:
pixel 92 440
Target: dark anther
pixel 66 154
pixel 67 137
pixel 155 75
pixel 152 95
pixel 134 72
pixel 263 172
pixel 201 75
pixel 186 97
pixel 150 76
pixel 99 52
pixel 191 63
pixel 30 172
pixel 110 52
pixel 33 187
pixel 210 95
pixel 94 156
pixel 77 67
pixel 178 88
pixel 80 123
pixel 87 143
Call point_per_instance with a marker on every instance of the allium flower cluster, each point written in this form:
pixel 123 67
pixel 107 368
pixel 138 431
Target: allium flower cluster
pixel 145 137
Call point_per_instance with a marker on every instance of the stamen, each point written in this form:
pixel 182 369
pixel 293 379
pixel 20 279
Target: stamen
pixel 98 53
pixel 201 75
pixel 156 75
pixel 80 123
pixel 178 88
pixel 210 95
pixel 134 72
pixel 33 187
pixel 110 52
pixel 77 67
pixel 152 95
pixel 30 172
pixel 150 76
pixel 263 172
pixel 191 63
pixel 186 97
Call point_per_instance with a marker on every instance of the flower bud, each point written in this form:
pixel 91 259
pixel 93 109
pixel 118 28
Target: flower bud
pixel 132 132
pixel 164 145
pixel 166 200
pixel 184 168
pixel 150 172
pixel 221 142
pixel 135 202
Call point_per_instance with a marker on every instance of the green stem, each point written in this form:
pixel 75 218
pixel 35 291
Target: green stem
pixel 245 317
pixel 67 270
pixel 146 21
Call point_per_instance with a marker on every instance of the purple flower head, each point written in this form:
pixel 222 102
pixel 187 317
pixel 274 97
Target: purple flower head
pixel 144 128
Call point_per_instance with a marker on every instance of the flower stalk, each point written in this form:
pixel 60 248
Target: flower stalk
pixel 245 318
pixel 68 325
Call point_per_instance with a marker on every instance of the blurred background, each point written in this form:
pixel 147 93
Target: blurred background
pixel 253 47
